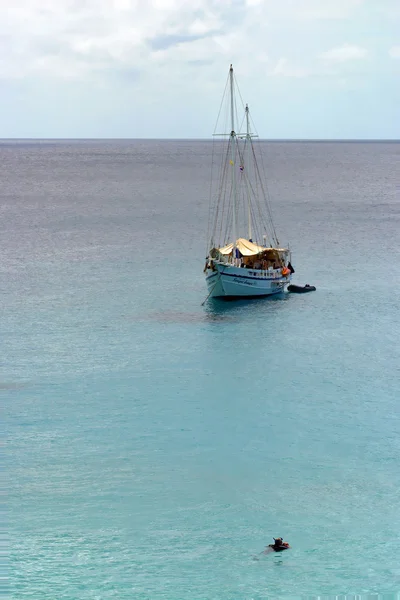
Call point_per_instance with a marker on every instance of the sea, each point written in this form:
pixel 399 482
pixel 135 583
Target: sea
pixel 154 446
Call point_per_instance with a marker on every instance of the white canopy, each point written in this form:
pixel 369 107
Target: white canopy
pixel 245 247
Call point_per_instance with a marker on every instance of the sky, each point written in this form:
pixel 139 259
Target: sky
pixel 309 69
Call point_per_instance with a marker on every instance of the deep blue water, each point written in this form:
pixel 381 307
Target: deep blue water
pixel 155 446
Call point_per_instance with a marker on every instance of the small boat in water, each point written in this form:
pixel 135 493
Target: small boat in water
pixel 301 289
pixel 245 258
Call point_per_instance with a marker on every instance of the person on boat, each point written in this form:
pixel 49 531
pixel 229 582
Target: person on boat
pixel 290 267
pixel 279 545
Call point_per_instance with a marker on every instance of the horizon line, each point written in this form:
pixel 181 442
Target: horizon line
pixel 194 139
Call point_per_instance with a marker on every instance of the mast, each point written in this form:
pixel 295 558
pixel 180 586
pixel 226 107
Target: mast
pixel 233 141
pixel 248 140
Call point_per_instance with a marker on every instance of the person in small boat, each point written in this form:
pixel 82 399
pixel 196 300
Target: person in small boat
pixel 279 545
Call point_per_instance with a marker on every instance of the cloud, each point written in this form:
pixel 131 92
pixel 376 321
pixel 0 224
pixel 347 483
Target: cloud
pixel 328 9
pixel 310 10
pixel 285 69
pixel 66 37
pixel 86 39
pixel 162 42
pixel 394 52
pixel 344 53
pixel 146 56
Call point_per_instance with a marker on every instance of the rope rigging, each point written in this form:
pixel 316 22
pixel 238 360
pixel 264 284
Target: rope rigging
pixel 253 214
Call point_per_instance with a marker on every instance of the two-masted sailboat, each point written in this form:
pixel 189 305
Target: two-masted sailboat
pixel 244 257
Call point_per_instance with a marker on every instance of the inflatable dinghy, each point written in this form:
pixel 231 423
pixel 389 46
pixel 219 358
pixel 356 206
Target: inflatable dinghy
pixel 301 289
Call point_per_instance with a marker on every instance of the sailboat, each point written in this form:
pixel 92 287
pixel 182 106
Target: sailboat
pixel 244 255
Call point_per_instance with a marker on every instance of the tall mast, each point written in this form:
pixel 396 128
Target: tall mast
pixel 233 153
pixel 248 140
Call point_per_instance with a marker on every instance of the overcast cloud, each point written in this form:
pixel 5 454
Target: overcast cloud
pixel 132 68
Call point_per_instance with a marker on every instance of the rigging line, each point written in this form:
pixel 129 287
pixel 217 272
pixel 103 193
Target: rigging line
pixel 221 182
pixel 220 234
pixel 238 91
pixel 251 186
pixel 222 142
pixel 255 224
pixel 227 216
pixel 254 194
pixel 215 196
pixel 225 141
pixel 214 286
pixel 266 192
pixel 241 124
pixel 264 171
pixel 265 198
pixel 222 101
pixel 211 207
pixel 221 199
pixel 225 222
pixel 258 203
pixel 228 223
pixel 245 197
pixel 249 192
pixel 216 187
pixel 258 214
pixel 253 125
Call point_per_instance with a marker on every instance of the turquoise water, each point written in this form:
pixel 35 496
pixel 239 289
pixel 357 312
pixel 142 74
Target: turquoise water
pixel 156 446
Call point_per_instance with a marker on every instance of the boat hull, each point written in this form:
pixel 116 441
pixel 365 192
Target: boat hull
pixel 227 281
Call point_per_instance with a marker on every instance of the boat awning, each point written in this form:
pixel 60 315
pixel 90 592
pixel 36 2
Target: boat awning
pixel 245 247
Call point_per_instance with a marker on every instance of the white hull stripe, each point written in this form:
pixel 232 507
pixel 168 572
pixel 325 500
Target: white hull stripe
pixel 254 277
